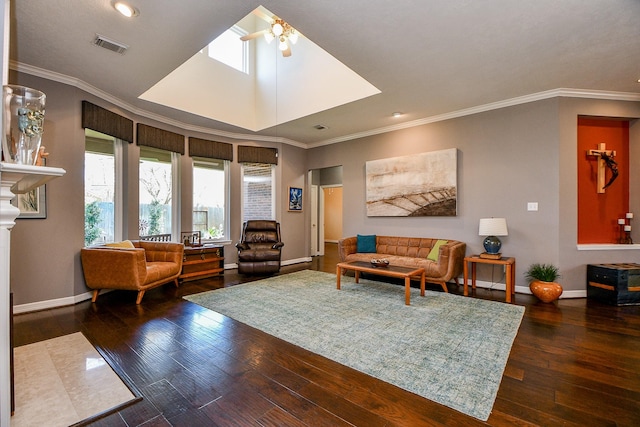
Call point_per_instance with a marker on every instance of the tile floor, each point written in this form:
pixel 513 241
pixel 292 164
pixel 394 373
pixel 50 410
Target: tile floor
pixel 63 380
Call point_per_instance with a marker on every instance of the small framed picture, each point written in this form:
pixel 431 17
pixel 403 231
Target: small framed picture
pixel 191 238
pixel 32 204
pixel 295 199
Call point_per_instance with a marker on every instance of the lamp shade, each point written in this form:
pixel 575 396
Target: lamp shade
pixel 493 227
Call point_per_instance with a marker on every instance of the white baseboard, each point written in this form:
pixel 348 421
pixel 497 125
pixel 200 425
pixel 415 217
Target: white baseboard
pixel 525 289
pixel 52 303
pixel 61 302
pixel 296 261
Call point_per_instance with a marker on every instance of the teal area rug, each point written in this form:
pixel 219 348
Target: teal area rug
pixel 447 348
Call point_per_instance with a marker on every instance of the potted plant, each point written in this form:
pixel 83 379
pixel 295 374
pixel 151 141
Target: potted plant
pixel 542 281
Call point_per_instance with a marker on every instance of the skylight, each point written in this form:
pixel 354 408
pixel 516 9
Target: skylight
pixel 274 90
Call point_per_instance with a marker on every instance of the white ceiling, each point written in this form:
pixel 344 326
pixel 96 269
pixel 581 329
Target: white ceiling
pixel 429 58
pixel 276 89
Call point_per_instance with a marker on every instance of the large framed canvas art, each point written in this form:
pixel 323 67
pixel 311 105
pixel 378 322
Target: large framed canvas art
pixel 417 185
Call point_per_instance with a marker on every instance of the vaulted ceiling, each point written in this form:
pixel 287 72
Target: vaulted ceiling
pixel 430 59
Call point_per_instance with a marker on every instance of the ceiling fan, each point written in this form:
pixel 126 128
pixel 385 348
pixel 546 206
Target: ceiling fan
pixel 278 29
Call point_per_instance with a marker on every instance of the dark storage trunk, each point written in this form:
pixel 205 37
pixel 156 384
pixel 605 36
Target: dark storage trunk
pixel 617 284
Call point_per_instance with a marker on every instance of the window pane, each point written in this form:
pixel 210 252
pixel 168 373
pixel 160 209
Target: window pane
pixel 257 191
pixel 209 196
pixel 155 191
pixel 229 49
pixel 99 188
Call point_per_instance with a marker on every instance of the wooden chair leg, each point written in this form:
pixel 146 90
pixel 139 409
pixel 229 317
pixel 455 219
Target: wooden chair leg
pixel 176 282
pixel 140 295
pixel 95 295
pixel 444 286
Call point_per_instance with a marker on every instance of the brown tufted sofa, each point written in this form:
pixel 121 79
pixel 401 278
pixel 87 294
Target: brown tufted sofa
pixel 412 252
pixel 143 266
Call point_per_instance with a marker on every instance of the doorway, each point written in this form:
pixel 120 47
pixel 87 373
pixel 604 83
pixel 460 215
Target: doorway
pixel 326 207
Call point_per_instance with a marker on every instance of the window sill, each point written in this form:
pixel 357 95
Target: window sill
pixel 608 247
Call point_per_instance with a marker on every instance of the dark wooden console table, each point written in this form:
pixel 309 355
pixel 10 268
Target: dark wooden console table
pixel 202 261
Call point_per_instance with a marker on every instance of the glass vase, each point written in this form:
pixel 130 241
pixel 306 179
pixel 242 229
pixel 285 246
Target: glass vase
pixel 23 119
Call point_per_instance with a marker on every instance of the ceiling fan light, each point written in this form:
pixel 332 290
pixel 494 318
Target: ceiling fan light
pixel 293 37
pixel 283 44
pixel 277 29
pixel 268 36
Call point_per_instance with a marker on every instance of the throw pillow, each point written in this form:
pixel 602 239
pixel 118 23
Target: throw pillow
pixel 124 244
pixel 366 244
pixel 435 250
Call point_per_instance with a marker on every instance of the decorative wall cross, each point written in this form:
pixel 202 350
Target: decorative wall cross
pixel 605 159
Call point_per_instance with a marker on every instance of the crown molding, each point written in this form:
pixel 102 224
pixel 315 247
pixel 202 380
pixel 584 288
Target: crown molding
pixel 554 93
pixel 79 84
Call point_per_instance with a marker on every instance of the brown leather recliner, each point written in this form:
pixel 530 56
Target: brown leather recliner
pixel 259 251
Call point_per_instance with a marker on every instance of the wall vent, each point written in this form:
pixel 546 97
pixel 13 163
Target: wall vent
pixel 111 45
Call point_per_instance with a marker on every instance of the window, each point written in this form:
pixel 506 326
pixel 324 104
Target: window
pixel 230 50
pixel 211 198
pixel 258 197
pixel 155 191
pixel 103 216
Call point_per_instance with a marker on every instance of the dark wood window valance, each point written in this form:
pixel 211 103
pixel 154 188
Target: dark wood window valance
pixel 248 154
pixel 210 149
pixel 107 122
pixel 150 136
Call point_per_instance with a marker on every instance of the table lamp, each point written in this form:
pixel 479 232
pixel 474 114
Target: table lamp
pixel 492 227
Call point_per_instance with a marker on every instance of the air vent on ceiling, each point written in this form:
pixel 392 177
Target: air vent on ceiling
pixel 111 45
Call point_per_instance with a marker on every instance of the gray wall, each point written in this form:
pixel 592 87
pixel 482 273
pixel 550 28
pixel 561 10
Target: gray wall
pixel 506 158
pixel 45 253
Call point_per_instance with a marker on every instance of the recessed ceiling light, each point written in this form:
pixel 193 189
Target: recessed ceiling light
pixel 321 127
pixel 126 9
pixel 396 114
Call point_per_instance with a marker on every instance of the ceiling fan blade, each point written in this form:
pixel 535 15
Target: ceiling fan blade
pixel 287 52
pixel 260 14
pixel 253 35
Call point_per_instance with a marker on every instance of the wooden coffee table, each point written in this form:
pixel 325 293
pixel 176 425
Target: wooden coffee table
pixel 405 273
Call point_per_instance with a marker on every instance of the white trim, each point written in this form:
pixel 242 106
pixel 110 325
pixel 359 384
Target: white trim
pixel 608 247
pixel 72 81
pixel 296 261
pixel 52 303
pixel 560 92
pixel 525 289
pixel 61 302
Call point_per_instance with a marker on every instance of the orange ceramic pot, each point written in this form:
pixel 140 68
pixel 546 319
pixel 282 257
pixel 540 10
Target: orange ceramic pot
pixel 546 291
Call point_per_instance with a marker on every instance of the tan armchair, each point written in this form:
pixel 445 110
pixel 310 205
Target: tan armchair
pixel 141 266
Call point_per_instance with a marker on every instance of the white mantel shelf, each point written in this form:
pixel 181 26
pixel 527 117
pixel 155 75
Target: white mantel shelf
pixel 27 177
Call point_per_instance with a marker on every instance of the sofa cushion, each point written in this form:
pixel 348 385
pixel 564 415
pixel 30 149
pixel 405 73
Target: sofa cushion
pixel 366 244
pixel 433 254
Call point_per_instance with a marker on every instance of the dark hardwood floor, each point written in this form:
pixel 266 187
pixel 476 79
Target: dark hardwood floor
pixel 575 362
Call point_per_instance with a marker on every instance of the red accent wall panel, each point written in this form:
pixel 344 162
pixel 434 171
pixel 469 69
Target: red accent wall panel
pixel 598 213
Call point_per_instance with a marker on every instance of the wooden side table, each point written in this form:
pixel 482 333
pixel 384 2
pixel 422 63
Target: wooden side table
pixel 510 276
pixel 202 261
